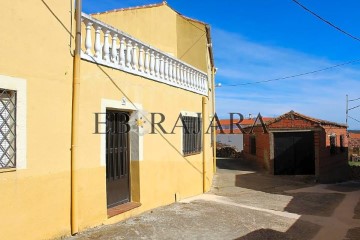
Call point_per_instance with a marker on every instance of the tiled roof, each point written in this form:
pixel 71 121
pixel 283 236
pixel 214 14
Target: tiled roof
pixel 247 121
pixel 316 120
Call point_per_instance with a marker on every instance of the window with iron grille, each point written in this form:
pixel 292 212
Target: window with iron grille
pixel 191 135
pixel 7 128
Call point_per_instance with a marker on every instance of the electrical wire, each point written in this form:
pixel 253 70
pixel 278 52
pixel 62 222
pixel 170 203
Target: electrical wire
pixel 353 107
pixel 296 75
pixel 354 99
pixel 354 119
pixel 326 21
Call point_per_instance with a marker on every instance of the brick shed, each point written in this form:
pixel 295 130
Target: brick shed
pixel 354 144
pixel 295 144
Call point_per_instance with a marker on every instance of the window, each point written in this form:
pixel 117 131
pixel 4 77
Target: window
pixel 191 135
pixel 332 144
pixel 7 128
pixel 253 145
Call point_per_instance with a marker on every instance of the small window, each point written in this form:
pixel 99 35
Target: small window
pixel 332 144
pixel 192 135
pixel 342 147
pixel 253 144
pixel 7 129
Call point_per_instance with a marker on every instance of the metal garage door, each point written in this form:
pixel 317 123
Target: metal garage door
pixel 294 153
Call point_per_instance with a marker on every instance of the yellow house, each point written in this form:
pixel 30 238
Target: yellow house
pixel 112 145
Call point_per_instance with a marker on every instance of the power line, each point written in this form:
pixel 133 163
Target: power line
pixel 296 75
pixel 354 99
pixel 354 119
pixel 326 21
pixel 353 107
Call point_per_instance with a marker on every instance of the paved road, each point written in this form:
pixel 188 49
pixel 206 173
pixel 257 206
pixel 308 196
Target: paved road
pixel 247 205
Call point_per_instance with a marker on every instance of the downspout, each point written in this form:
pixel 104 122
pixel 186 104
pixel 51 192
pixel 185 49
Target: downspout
pixel 75 119
pixel 214 124
pixel 204 102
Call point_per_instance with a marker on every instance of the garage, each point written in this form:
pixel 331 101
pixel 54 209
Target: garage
pixel 296 144
pixel 294 153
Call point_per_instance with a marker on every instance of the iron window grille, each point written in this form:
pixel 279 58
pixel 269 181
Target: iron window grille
pixel 7 128
pixel 192 135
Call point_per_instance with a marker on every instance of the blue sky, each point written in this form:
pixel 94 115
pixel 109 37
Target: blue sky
pixel 257 40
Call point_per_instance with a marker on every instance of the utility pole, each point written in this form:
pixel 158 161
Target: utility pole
pixel 347 109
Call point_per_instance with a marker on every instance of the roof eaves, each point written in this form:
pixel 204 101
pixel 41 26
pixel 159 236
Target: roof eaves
pixel 318 121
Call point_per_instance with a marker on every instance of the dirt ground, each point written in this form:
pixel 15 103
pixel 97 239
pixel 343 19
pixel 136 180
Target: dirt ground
pixel 247 204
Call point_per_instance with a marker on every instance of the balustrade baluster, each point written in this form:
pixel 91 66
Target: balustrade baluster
pixel 188 77
pixel 141 59
pixel 147 61
pixel 97 45
pixel 157 65
pixel 162 67
pixel 135 61
pixel 192 79
pixel 185 76
pixel 113 48
pixel 122 51
pixel 152 63
pixel 174 72
pixel 197 81
pixel 171 70
pixel 166 68
pixel 106 48
pixel 178 73
pixel 206 85
pixel 88 41
pixel 128 53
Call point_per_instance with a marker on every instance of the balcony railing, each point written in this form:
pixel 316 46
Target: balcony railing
pixel 116 49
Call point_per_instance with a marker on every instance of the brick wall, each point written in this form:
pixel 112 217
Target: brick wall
pixel 262 148
pixel 329 167
pixel 332 166
pixel 295 122
pixel 354 143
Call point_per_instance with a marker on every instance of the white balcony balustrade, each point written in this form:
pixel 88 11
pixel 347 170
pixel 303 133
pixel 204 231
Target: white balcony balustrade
pixel 116 49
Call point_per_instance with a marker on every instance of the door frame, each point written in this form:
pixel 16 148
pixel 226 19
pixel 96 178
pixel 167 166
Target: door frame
pixel 136 142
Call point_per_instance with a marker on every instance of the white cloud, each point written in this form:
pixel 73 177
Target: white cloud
pixel 320 95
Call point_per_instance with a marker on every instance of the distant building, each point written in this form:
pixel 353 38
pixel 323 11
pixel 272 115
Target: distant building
pixel 295 144
pixel 234 139
pixel 354 144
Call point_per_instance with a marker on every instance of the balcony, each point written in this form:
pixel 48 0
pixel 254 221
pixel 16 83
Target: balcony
pixel 116 49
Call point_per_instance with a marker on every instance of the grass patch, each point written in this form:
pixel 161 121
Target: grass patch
pixel 354 163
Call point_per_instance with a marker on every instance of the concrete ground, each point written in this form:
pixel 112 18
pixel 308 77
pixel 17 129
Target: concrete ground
pixel 246 204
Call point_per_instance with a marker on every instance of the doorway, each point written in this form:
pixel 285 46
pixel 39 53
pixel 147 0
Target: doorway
pixel 117 158
pixel 294 153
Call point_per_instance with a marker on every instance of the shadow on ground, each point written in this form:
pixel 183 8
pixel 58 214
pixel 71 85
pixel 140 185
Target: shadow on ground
pixel 307 204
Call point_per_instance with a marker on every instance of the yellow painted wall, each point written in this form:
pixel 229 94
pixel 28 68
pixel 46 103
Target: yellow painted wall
pixel 164 171
pixel 163 28
pixel 155 26
pixel 192 43
pixel 34 45
pixel 36 48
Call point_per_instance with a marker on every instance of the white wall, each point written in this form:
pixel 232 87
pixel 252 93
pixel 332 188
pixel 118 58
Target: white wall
pixel 234 140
